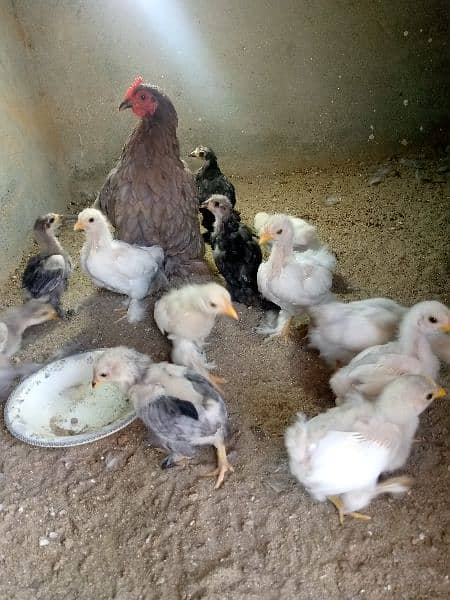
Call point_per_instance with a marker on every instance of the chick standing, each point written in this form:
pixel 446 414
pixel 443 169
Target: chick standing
pixel 370 370
pixel 188 315
pixel 210 180
pixel 181 409
pixel 118 266
pixel 292 280
pixel 340 454
pixel 46 275
pixel 236 251
pixel 341 330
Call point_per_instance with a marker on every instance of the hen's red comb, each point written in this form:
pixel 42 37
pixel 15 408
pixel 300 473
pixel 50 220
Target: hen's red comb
pixel 130 91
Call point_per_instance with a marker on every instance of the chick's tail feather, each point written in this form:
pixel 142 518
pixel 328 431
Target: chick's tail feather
pixel 296 439
pixel 394 485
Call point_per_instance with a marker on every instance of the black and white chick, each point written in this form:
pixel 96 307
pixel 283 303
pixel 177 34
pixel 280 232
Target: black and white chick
pixel 46 275
pixel 236 251
pixel 181 409
pixel 210 180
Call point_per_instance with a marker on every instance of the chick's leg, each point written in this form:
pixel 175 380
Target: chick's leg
pixel 223 466
pixel 337 501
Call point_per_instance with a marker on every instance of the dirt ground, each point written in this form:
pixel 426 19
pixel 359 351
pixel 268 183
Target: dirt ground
pixel 118 526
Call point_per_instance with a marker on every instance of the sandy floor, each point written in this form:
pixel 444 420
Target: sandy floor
pixel 120 527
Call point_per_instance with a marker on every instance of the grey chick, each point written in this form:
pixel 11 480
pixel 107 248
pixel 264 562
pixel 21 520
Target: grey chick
pixel 46 275
pixel 14 321
pixel 180 408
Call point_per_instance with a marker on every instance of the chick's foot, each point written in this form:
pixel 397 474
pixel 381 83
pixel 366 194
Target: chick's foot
pixel 336 500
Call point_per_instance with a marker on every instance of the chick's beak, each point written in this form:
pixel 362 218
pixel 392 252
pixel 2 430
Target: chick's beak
pixel 79 226
pixel 125 104
pixel 192 154
pixel 265 237
pixel 446 327
pixel 229 311
pixel 440 393
pixel 204 204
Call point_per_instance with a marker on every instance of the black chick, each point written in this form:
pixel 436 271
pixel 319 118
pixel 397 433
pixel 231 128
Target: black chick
pixel 210 180
pixel 235 249
pixel 47 274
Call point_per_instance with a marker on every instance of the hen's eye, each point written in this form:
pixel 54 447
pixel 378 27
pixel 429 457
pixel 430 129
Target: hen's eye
pixel 429 396
pixel 143 96
pixel 91 220
pixel 213 305
pixel 103 374
pixel 280 231
pixel 432 319
pixel 216 203
pixel 52 220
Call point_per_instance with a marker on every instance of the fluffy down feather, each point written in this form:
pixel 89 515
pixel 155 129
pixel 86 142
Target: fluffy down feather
pixel 118 266
pixel 370 370
pixel 341 330
pixel 342 452
pixel 149 197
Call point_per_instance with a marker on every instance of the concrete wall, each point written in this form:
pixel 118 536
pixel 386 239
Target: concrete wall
pixel 32 173
pixel 278 82
pixel 267 83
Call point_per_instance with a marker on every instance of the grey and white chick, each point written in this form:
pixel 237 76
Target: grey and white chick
pixel 46 275
pixel 340 454
pixel 118 266
pixel 181 409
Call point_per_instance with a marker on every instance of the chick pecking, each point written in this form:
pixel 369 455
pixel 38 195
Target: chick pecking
pixel 46 275
pixel 236 251
pixel 117 266
pixel 370 370
pixel 181 409
pixel 340 454
pixel 210 180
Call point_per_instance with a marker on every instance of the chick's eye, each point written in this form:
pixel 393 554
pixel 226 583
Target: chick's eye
pixel 280 231
pixel 432 319
pixel 103 375
pixel 429 396
pixel 52 220
pixel 213 305
pixel 216 204
pixel 91 220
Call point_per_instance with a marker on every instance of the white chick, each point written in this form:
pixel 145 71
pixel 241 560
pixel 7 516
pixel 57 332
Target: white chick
pixel 116 265
pixel 340 454
pixel 370 370
pixel 305 234
pixel 341 330
pixel 187 315
pixel 181 409
pixel 292 280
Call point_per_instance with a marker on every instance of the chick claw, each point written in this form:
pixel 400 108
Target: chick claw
pixel 223 466
pixel 340 508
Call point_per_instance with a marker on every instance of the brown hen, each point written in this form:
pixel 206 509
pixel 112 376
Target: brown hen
pixel 149 196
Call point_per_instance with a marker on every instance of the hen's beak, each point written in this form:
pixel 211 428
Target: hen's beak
pixel 229 311
pixel 125 104
pixel 440 393
pixel 446 327
pixel 265 237
pixel 79 226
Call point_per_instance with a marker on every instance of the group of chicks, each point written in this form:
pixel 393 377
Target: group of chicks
pixel 385 357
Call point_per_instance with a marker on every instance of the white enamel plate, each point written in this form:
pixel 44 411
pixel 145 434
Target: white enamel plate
pixel 57 406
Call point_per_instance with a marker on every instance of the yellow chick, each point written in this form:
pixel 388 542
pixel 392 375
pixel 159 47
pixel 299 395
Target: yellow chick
pixel 340 454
